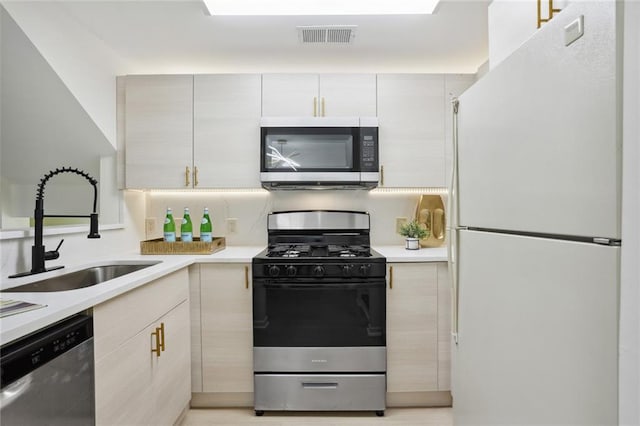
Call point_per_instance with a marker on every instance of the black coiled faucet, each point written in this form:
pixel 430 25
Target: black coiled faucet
pixel 38 253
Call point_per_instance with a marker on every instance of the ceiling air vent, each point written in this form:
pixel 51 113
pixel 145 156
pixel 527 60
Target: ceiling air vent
pixel 327 34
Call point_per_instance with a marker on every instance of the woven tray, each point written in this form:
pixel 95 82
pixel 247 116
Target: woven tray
pixel 159 246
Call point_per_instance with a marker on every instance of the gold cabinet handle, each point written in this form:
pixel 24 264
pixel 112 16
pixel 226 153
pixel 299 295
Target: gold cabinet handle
pixel 161 336
pixel 195 176
pixel 381 175
pixel 186 176
pixel 323 107
pixel 246 277
pixel 158 346
pixel 315 106
pixel 552 10
pixel 390 277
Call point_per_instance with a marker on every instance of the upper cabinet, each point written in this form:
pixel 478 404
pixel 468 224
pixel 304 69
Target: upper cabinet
pixel 158 131
pixel 203 131
pixel 319 95
pixel 411 116
pixel 226 130
pixel 192 132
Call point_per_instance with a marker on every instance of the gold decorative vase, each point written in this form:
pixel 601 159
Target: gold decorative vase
pixel 430 214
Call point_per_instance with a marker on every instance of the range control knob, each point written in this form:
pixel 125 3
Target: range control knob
pixel 291 271
pixel 274 271
pixel 364 270
pixel 346 270
pixel 318 271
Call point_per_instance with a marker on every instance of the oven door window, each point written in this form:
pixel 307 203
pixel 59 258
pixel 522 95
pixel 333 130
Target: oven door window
pixel 309 315
pixel 305 149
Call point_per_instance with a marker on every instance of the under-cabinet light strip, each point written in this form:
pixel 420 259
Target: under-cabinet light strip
pixel 260 191
pixel 384 190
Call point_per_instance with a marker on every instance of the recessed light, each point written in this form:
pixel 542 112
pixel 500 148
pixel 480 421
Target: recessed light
pixel 320 7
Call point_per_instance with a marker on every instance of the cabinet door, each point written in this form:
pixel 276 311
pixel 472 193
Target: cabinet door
pixel 412 338
pixel 227 328
pixel 123 382
pixel 347 95
pixel 289 95
pixel 226 148
pixel 412 134
pixel 158 131
pixel 172 376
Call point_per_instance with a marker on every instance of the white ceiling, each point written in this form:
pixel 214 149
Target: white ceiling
pixel 179 37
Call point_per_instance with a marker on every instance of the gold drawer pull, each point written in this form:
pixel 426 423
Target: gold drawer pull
pixel 162 336
pixel 158 348
pixel 390 277
pixel 195 176
pixel 187 172
pixel 246 277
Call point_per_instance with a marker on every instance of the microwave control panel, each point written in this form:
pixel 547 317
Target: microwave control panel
pixel 368 149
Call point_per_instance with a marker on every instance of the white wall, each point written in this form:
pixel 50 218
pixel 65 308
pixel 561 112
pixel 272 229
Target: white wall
pixel 630 275
pixel 88 71
pixel 83 62
pixel 511 23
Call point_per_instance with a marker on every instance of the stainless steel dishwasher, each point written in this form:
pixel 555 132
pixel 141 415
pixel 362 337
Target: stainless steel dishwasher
pixel 48 377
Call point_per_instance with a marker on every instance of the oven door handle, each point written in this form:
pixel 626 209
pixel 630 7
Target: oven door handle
pixel 317 286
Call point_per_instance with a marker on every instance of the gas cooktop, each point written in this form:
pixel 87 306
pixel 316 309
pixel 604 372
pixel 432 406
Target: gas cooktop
pixel 306 250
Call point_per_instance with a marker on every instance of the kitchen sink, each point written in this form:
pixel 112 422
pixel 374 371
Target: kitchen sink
pixel 83 278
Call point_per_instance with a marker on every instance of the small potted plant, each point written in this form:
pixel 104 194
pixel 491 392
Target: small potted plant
pixel 413 232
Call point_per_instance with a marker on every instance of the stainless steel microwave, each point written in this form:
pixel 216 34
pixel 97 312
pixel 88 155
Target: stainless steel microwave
pixel 319 152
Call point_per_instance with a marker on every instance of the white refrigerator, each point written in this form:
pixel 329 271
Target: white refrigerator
pixel 535 238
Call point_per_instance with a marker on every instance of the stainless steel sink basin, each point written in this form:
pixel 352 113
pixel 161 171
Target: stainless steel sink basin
pixel 82 278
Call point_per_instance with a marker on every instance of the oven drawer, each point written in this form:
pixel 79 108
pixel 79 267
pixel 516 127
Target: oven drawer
pixel 356 392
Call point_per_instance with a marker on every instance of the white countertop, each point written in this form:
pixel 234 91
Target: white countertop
pixel 62 304
pixel 401 254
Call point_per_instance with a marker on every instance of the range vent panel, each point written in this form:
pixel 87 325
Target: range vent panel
pixel 327 34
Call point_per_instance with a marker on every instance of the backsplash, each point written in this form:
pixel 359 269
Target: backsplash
pixel 250 210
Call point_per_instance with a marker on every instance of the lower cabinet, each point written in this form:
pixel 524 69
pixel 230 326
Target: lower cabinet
pixel 142 351
pixel 226 335
pixel 418 334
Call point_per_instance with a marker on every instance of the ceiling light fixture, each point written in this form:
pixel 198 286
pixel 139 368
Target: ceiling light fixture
pixel 320 7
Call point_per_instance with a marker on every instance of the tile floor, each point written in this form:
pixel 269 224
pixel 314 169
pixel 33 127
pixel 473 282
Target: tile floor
pixel 393 417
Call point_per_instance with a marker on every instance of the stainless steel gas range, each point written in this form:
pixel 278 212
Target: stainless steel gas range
pixel 319 303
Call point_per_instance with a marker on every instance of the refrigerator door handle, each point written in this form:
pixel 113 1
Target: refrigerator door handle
pixel 452 206
pixel 453 274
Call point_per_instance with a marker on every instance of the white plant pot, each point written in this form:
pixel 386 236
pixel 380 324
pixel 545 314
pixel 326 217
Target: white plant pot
pixel 412 243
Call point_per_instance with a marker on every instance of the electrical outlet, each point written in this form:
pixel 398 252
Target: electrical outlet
pixel 399 222
pixel 232 225
pixel 150 225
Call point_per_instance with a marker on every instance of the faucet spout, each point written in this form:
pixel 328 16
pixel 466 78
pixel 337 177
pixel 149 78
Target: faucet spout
pixel 38 254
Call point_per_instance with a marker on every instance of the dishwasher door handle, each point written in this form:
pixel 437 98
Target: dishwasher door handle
pixel 13 391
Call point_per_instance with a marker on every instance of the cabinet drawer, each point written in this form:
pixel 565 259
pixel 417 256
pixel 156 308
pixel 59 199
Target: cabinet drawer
pixel 121 318
pixel 319 392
